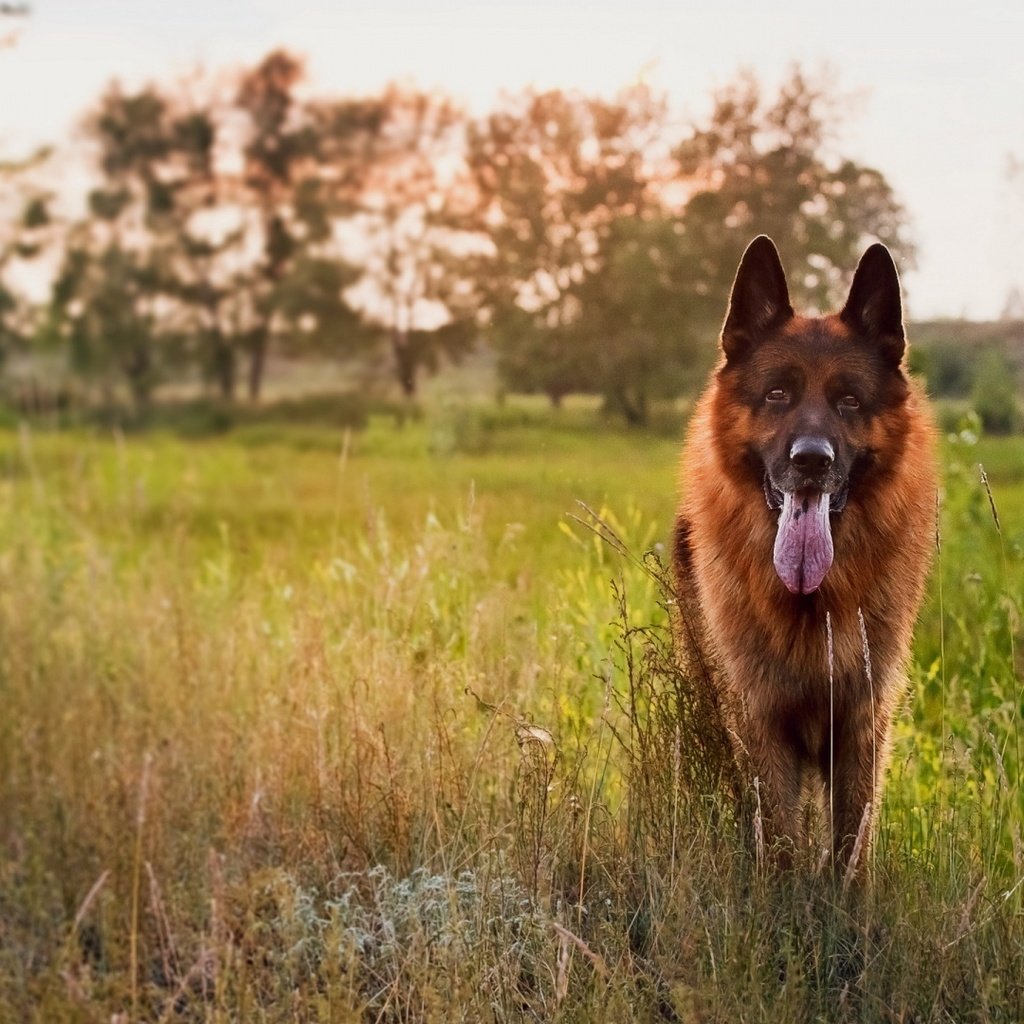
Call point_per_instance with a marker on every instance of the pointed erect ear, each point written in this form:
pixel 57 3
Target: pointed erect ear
pixel 874 309
pixel 759 299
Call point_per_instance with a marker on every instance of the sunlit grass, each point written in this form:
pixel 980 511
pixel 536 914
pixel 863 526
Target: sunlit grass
pixel 354 727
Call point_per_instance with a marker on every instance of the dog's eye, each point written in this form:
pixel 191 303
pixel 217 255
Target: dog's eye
pixel 776 395
pixel 849 402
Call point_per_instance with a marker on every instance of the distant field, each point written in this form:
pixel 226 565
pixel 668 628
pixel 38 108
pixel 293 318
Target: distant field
pixel 313 725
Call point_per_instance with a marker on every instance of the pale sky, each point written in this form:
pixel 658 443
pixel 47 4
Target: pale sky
pixel 940 88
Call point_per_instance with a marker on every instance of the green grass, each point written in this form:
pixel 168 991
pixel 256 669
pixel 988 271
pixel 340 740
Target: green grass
pixel 315 725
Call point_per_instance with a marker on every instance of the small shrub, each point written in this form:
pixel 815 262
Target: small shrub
pixel 947 366
pixel 994 395
pixel 461 428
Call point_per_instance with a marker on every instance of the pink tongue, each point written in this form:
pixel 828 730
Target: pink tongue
pixel 803 544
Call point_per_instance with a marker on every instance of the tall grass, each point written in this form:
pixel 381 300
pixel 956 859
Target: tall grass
pixel 354 732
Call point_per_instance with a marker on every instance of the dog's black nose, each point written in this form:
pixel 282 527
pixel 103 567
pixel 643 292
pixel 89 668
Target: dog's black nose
pixel 812 455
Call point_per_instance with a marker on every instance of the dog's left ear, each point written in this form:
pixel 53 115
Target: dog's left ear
pixel 874 308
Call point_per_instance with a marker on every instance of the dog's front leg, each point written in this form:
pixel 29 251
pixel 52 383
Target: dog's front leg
pixel 775 768
pixel 860 755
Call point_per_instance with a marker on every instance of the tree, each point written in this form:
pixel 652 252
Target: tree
pixel 116 267
pixel 634 326
pixel 211 232
pixel 755 166
pixel 27 229
pixel 765 166
pixel 258 258
pixel 303 165
pixel 555 172
pixel 613 259
pixel 111 321
pixel 209 270
pixel 278 152
pixel 419 247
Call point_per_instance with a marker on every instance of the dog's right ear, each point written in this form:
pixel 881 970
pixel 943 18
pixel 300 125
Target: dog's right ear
pixel 759 299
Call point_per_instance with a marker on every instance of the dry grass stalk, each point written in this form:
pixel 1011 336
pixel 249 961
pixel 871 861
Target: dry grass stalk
pixel 595 959
pixel 758 824
pixel 866 656
pixel 991 499
pixel 863 830
pixel 140 821
pixel 830 651
pixel 165 938
pixel 83 907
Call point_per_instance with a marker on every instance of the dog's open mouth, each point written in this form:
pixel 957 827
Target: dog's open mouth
pixel 803 542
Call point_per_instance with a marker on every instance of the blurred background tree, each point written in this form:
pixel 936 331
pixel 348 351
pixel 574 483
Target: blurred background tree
pixel 636 317
pixel 612 260
pixel 412 230
pixel 24 233
pixel 106 299
pixel 211 231
pixel 279 152
pixel 554 172
pixel 314 311
pixel 763 165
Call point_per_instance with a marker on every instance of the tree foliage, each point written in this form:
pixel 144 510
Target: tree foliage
pixel 766 165
pixel 215 219
pixel 279 173
pixel 555 172
pixel 416 234
pixel 636 315
pixel 23 235
pixel 115 270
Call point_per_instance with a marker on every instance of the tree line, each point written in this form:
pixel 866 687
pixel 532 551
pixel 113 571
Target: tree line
pixel 589 242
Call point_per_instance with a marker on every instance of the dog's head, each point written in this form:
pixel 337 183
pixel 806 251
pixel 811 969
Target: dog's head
pixel 812 390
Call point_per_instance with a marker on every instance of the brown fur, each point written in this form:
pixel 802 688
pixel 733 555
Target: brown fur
pixel 767 647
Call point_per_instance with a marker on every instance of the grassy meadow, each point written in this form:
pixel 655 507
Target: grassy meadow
pixel 312 725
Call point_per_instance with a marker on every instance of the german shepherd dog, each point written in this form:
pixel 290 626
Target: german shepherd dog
pixel 802 543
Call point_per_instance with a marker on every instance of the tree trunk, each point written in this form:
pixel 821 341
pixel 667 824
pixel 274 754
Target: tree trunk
pixel 220 355
pixel 225 368
pixel 405 362
pixel 634 409
pixel 226 374
pixel 257 363
pixel 137 371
